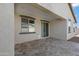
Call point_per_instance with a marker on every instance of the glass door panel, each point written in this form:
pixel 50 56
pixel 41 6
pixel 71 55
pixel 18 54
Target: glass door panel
pixel 44 29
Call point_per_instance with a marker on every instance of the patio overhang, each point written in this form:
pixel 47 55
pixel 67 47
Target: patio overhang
pixel 52 15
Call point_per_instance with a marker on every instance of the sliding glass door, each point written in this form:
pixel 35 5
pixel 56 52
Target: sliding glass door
pixel 44 28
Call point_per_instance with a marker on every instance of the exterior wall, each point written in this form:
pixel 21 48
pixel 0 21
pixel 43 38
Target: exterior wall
pixel 63 10
pixel 28 10
pixel 77 32
pixel 7 29
pixel 58 29
pixel 72 34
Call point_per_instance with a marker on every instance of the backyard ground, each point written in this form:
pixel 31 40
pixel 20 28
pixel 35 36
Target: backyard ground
pixel 75 39
pixel 48 47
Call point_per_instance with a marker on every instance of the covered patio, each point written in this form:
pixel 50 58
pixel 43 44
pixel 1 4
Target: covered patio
pixel 34 44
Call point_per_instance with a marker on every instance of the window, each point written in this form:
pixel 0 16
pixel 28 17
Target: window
pixel 69 25
pixel 31 26
pixel 69 29
pixel 73 29
pixel 69 19
pixel 76 28
pixel 69 22
pixel 27 24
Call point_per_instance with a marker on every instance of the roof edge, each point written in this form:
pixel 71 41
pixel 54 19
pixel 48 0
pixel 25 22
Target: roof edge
pixel 72 12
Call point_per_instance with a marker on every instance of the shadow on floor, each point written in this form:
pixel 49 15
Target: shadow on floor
pixel 74 39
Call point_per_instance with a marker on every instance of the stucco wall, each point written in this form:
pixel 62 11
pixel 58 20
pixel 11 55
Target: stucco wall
pixel 28 10
pixel 7 29
pixel 58 29
pixel 72 34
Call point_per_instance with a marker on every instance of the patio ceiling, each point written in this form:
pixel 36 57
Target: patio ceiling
pixel 53 16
